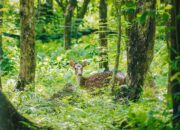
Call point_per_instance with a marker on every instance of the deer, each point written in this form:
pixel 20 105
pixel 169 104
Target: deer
pixel 96 80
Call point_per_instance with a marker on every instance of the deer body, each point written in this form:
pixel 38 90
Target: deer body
pixel 96 80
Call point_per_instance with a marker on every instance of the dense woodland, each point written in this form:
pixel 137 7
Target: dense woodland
pixel 90 64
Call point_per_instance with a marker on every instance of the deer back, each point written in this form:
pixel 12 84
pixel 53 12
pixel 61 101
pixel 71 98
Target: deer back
pixel 103 79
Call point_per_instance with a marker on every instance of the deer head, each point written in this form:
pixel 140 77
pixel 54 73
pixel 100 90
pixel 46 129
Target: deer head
pixel 78 71
pixel 78 67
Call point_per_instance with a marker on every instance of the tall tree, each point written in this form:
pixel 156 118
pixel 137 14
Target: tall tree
pixel 67 23
pixel 141 35
pixel 174 71
pixel 1 50
pixel 68 9
pixel 27 44
pixel 103 41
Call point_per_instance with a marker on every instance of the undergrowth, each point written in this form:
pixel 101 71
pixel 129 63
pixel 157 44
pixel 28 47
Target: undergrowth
pixel 83 109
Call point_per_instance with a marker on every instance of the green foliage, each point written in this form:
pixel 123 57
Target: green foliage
pixel 6 65
pixel 87 110
pixel 84 109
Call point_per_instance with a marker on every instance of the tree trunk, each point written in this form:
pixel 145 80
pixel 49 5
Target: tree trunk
pixel 1 50
pixel 27 44
pixel 10 119
pixel 81 14
pixel 103 35
pixel 140 48
pixel 118 13
pixel 174 86
pixel 67 24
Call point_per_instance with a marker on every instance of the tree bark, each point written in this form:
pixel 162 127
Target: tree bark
pixel 67 23
pixel 174 67
pixel 1 50
pixel 27 44
pixel 140 48
pixel 103 35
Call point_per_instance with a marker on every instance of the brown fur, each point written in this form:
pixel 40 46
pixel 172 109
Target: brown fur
pixel 103 79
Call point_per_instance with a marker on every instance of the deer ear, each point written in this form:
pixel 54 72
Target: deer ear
pixel 72 63
pixel 84 63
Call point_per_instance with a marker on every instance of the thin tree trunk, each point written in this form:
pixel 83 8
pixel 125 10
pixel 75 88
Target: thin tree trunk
pixel 118 12
pixel 39 9
pixel 49 8
pixel 45 10
pixel 174 86
pixel 103 35
pixel 62 5
pixel 81 14
pixel 67 24
pixel 27 45
pixel 1 50
pixel 140 49
pixel 0 84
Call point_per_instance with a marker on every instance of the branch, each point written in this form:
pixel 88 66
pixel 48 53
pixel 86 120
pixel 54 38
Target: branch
pixel 82 13
pixel 70 7
pixel 62 5
pixel 46 37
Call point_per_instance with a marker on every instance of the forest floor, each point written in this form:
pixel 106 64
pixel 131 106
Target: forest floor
pixel 83 109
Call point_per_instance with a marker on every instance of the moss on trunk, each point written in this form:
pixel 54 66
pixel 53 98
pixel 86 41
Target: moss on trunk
pixel 67 23
pixel 140 48
pixel 1 50
pixel 103 35
pixel 174 85
pixel 27 44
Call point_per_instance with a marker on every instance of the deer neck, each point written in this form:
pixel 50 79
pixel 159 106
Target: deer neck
pixel 80 80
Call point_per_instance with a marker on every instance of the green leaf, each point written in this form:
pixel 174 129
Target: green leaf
pixel 168 7
pixel 175 76
pixel 165 16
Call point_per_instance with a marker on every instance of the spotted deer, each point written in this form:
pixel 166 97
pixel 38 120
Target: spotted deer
pixel 96 80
